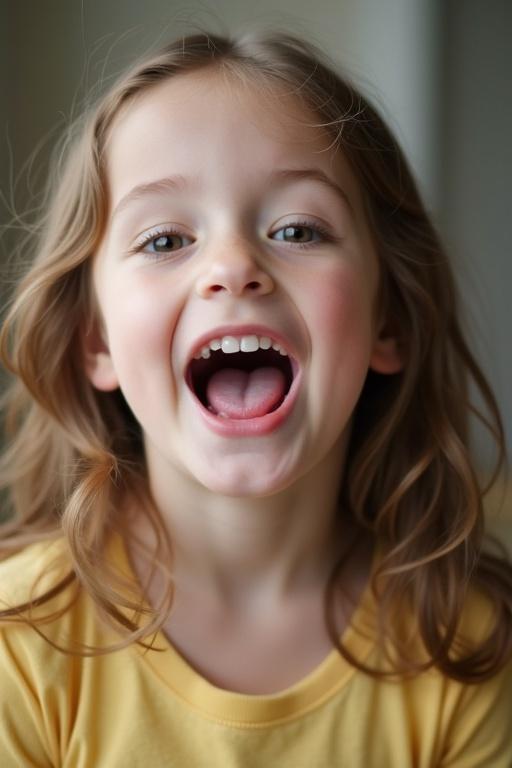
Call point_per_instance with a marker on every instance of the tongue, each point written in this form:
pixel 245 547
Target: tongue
pixel 243 395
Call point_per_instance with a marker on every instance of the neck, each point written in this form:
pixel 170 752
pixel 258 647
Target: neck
pixel 235 551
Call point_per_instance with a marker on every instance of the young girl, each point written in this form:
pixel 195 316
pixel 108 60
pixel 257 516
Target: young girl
pixel 241 523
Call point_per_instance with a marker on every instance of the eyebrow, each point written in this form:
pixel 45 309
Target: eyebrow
pixel 179 183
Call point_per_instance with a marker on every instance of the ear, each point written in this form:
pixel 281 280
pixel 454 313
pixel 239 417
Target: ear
pixel 98 363
pixel 387 355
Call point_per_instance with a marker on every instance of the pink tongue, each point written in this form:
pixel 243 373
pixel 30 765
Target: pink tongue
pixel 242 395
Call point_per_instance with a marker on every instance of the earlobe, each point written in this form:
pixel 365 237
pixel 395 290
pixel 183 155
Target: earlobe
pixel 387 353
pixel 386 356
pixel 98 363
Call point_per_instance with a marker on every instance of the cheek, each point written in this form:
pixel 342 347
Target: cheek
pixel 140 319
pixel 340 324
pixel 342 308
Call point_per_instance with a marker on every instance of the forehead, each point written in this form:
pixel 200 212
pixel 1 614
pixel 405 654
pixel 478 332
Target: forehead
pixel 200 101
pixel 208 124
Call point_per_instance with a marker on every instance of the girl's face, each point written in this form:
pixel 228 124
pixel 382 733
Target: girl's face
pixel 229 217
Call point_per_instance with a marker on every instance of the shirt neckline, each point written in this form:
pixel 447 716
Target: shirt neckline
pixel 256 710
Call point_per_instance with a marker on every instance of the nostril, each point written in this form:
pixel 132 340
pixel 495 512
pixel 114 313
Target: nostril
pixel 254 285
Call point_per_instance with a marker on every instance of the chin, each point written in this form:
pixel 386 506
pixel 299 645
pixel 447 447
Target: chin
pixel 240 482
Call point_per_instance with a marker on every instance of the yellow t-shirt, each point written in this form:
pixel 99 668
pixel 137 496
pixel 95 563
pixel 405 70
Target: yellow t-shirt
pixel 137 709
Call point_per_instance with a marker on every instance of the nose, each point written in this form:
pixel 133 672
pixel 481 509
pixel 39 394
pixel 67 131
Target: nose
pixel 234 270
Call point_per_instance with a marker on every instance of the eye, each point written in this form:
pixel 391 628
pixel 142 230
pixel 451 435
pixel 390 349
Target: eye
pixel 160 242
pixel 296 230
pixel 165 241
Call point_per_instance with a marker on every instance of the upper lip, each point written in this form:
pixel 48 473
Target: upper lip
pixel 255 329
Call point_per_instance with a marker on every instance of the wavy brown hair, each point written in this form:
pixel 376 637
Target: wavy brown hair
pixel 75 452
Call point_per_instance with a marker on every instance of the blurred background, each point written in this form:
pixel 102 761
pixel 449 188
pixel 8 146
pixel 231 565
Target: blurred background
pixel 439 71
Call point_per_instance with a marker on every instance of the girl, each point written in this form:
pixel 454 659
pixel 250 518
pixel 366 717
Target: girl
pixel 244 528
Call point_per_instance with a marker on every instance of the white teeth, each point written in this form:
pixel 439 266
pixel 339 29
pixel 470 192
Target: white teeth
pixel 279 349
pixel 249 344
pixel 231 344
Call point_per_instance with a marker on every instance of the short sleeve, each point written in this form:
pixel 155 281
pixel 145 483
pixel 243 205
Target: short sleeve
pixel 23 740
pixel 480 735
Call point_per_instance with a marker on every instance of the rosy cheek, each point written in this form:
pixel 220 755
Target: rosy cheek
pixel 142 316
pixel 342 304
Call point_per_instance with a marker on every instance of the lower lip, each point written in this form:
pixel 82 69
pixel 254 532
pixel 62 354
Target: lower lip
pixel 262 425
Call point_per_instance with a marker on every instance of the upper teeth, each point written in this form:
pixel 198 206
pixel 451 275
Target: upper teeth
pixel 230 344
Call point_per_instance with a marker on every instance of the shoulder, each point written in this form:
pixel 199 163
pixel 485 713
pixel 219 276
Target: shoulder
pixel 32 694
pixel 43 599
pixel 33 571
pixel 477 620
pixel 463 724
pixel 479 728
pixel 37 590
pixel 479 713
pixel 46 619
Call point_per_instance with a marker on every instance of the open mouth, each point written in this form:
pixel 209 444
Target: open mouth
pixel 241 385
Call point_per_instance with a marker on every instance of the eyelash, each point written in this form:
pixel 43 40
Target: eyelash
pixel 169 230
